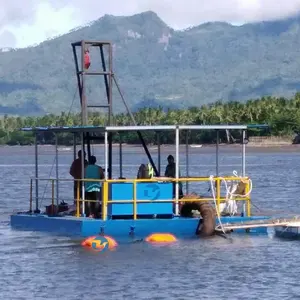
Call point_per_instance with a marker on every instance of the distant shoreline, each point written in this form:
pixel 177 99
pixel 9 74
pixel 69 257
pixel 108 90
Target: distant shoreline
pixel 195 146
pixel 253 142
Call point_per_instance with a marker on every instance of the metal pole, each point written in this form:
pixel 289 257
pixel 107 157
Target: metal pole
pixel 74 146
pixel 88 145
pixel 82 174
pixel 158 153
pixel 110 80
pixel 36 174
pixel 56 161
pixel 110 136
pixel 244 155
pixel 104 70
pixel 121 156
pixel 84 118
pixel 177 170
pixel 244 165
pixel 217 154
pixel 77 73
pixel 106 154
pixel 187 159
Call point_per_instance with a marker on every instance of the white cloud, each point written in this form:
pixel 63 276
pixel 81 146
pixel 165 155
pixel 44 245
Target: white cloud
pixel 35 20
pixel 33 24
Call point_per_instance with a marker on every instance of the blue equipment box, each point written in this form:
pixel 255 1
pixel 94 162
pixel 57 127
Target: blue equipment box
pixel 144 191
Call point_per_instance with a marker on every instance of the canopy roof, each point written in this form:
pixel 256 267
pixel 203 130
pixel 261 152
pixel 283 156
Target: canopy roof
pixel 74 129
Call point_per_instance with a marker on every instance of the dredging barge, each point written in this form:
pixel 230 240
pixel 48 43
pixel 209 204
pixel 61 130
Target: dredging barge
pixel 135 208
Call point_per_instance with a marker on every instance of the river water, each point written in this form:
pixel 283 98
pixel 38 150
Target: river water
pixel 40 266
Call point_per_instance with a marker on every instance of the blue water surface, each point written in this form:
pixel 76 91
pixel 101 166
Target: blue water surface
pixel 40 266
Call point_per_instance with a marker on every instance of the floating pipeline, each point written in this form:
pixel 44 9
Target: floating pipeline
pixel 100 243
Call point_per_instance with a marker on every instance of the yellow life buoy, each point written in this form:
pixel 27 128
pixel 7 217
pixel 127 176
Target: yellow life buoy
pixel 161 238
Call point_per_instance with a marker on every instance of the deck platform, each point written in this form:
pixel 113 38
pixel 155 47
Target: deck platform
pixel 120 229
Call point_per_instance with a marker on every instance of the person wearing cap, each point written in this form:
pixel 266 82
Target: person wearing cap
pixel 76 173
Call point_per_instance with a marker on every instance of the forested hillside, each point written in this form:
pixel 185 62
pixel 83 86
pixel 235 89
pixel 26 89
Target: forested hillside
pixel 156 65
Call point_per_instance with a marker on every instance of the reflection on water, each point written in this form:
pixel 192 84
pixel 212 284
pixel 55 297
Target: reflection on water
pixel 40 266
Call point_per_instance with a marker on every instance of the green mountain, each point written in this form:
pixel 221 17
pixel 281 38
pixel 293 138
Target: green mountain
pixel 156 65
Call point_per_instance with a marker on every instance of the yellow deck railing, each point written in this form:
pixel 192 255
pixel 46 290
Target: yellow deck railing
pixel 105 192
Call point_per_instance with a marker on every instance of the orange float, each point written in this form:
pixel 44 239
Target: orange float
pixel 100 243
pixel 161 238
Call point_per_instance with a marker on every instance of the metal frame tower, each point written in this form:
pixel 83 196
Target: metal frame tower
pixel 109 80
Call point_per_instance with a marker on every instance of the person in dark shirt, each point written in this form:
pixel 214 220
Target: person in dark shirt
pixel 171 172
pixel 76 173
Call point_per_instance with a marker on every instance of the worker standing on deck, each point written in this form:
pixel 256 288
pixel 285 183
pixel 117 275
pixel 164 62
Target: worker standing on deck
pixel 171 172
pixel 76 173
pixel 93 188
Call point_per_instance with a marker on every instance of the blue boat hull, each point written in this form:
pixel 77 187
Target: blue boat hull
pixel 120 229
pixel 289 232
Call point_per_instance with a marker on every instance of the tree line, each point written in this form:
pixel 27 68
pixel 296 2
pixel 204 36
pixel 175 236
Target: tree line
pixel 281 114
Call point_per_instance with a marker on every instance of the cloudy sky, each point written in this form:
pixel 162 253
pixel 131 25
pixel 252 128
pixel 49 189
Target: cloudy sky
pixel 36 20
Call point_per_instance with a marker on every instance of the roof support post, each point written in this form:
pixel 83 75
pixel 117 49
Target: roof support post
pixel 106 154
pixel 36 173
pixel 187 159
pixel 82 174
pixel 158 153
pixel 244 154
pixel 120 155
pixel 177 170
pixel 217 153
pixel 56 167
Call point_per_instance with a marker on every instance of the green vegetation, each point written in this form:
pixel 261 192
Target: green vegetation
pixel 281 114
pixel 156 65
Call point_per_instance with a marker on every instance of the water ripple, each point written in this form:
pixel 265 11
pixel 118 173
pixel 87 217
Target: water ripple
pixel 40 266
